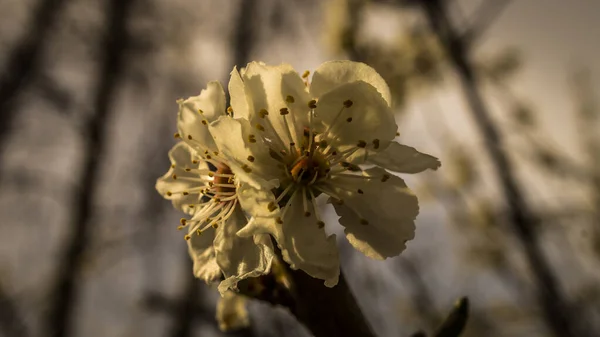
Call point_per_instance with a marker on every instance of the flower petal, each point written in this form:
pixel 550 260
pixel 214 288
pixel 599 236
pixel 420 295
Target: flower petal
pixel 231 312
pixel 240 257
pixel 404 159
pixel 368 118
pixel 307 246
pixel 196 112
pixel 237 93
pixel 202 253
pixel 182 156
pixel 332 74
pixel 247 154
pixel 268 87
pixel 378 213
pixel 303 244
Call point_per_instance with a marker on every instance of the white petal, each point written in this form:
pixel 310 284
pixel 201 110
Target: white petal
pixel 307 247
pixel 389 207
pixel 247 154
pixel 303 244
pixel 404 159
pixel 196 112
pixel 240 257
pixel 372 118
pixel 231 312
pixel 335 73
pixel 181 156
pixel 237 93
pixel 268 87
pixel 202 253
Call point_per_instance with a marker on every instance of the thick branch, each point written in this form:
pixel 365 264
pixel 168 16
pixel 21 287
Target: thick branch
pixel 551 299
pixel 65 286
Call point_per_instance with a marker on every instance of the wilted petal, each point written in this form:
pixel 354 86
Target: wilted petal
pixel 240 257
pixel 332 74
pixel 231 312
pixel 378 213
pixel 404 159
pixel 202 253
pixel 181 157
pixel 196 112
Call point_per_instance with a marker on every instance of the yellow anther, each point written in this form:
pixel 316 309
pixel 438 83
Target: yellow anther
pixel 174 176
pixel 205 122
pixel 246 168
pixel 194 161
pixel 362 144
pixel 262 113
pixel 191 206
pixel 320 224
pixel 198 231
pixel 290 99
pixel 305 74
pixel 185 193
pixel 230 109
pixel 251 159
pixel 183 221
pixel 271 206
pixel 208 157
pixel 217 200
pixel 190 137
pixel 252 138
pixel 284 111
pixel 169 194
pixel 312 104
pixel 215 226
pixel 187 237
pixel 179 228
pixel 176 135
pixel 260 127
pixel 172 166
pixel 397 134
pixel 348 103
pixel 211 174
pixel 187 169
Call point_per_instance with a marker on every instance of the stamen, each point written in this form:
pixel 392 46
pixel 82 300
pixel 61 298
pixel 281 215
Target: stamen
pixel 320 222
pixel 284 193
pixel 305 202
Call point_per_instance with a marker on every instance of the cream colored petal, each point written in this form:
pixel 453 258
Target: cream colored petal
pixel 260 204
pixel 378 213
pixel 332 74
pixel 247 154
pixel 306 246
pixel 240 257
pixel 196 112
pixel 368 119
pixel 404 159
pixel 237 93
pixel 231 312
pixel 268 87
pixel 203 256
pixel 181 157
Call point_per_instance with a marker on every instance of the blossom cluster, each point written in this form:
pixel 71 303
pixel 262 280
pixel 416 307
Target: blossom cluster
pixel 250 174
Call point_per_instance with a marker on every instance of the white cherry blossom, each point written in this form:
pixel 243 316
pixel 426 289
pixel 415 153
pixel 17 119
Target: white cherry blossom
pixel 292 141
pixel 201 184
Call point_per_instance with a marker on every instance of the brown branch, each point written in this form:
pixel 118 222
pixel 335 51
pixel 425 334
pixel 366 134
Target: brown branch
pixel 65 287
pixel 557 313
pixel 12 323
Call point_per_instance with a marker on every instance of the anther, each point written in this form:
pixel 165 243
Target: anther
pixel 169 194
pixel 349 119
pixel 187 169
pixel 323 143
pixel 208 157
pixel 205 122
pixel 397 134
pixel 211 174
pixel 251 159
pixel 290 99
pixel 292 144
pixel 194 161
pixel 185 193
pixel 279 221
pixel 260 127
pixel 305 74
pixel 334 153
pixel 271 206
pixel 230 110
pixel 179 228
pixel 190 137
pixel 215 226
pixel 174 176
pixel 172 166
pixel 360 191
pixel 187 237
pixel 348 103
pixel 364 222
pixel 246 168
pixel 262 113
pixel 176 135
pixel 183 221
pixel 320 224
pixel 284 111
pixel 307 214
pixel 375 144
pixel 362 144
pixel 252 138
pixel 312 104
pixel 200 111
pixel 384 178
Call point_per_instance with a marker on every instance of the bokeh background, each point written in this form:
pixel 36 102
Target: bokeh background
pixel 87 113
